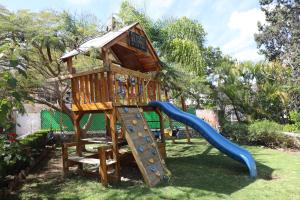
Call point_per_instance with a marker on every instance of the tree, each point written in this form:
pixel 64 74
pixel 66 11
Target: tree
pixel 278 39
pixel 12 96
pixel 254 91
pixel 180 44
pixel 37 41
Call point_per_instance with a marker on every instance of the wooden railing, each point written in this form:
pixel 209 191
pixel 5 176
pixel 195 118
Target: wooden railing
pixel 120 86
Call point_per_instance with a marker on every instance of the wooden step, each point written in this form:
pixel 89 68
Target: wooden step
pixel 111 171
pixel 84 160
pixel 110 162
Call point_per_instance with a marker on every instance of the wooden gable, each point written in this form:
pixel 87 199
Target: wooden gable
pixel 134 50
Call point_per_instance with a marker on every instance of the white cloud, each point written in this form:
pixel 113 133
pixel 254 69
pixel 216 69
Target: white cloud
pixel 244 25
pixel 246 21
pixel 79 2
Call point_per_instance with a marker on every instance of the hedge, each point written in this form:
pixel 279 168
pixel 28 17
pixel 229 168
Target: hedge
pixel 16 156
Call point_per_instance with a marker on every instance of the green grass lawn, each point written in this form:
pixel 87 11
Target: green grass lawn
pixel 198 172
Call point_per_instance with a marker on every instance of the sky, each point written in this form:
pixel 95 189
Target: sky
pixel 229 24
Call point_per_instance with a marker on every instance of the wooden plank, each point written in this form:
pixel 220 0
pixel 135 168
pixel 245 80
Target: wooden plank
pixel 92 106
pixel 97 88
pixel 111 114
pixel 103 167
pixel 92 87
pixel 158 91
pixel 103 88
pixel 87 89
pixel 125 71
pixel 75 90
pixel 110 86
pixel 117 87
pixel 82 99
pixel 69 65
pixel 84 160
pixel 94 71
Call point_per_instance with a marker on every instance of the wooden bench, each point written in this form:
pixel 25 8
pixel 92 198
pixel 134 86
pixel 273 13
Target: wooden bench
pixel 104 162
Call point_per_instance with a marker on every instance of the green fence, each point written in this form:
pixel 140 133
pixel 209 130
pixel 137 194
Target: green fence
pixel 54 120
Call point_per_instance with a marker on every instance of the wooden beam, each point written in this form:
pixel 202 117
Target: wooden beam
pixel 188 137
pixel 70 65
pixel 76 122
pixel 125 71
pixel 92 106
pixel 161 125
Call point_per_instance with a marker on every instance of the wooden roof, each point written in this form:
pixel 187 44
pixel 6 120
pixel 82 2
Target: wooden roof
pixel 130 47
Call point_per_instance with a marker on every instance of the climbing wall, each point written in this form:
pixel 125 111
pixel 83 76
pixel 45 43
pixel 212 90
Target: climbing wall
pixel 142 144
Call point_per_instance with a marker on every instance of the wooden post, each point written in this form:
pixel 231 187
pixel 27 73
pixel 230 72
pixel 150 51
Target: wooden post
pixel 64 149
pixel 161 125
pixel 170 120
pixel 103 166
pixel 70 65
pixel 107 66
pixel 111 114
pixel 158 91
pixel 107 127
pixel 188 137
pixel 78 133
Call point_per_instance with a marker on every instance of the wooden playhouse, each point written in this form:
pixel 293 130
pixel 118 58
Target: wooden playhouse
pixel 121 88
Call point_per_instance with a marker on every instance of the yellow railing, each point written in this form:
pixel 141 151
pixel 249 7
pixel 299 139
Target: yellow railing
pixel 117 85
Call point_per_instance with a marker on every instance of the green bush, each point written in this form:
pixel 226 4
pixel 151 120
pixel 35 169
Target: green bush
pixel 236 131
pixel 290 128
pixel 12 158
pixel 15 156
pixel 269 134
pixel 295 118
pixel 36 140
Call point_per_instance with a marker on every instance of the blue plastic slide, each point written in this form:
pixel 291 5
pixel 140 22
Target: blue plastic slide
pixel 210 134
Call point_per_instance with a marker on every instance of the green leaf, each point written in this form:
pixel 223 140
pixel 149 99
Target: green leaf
pixel 12 82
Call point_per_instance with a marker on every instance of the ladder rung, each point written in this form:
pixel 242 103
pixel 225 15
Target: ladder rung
pixel 112 171
pixel 110 162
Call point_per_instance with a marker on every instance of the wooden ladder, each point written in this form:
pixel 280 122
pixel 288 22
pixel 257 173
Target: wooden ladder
pixel 108 165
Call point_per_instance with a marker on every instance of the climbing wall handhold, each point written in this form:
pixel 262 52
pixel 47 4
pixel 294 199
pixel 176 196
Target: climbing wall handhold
pixel 141 149
pixel 134 122
pixel 140 134
pixel 138 116
pixel 153 152
pixel 152 168
pixel 130 128
pixel 147 139
pixel 157 173
pixel 151 160
pixel 126 109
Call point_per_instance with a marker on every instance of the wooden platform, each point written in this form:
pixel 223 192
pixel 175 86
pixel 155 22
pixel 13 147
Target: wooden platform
pixel 142 144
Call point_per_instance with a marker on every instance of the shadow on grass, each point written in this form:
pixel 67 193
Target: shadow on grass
pixel 196 171
pixel 217 173
pixel 41 182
